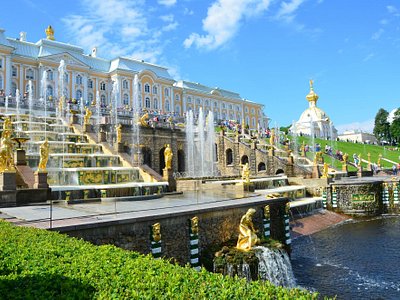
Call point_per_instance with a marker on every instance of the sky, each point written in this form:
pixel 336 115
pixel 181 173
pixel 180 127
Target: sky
pixel 265 50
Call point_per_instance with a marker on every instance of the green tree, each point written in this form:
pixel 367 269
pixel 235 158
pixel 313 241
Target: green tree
pixel 395 127
pixel 382 126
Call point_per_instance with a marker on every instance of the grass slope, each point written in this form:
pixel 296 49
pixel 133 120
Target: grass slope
pixel 38 264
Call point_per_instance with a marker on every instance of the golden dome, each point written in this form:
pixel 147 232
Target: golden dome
pixel 50 33
pixel 312 96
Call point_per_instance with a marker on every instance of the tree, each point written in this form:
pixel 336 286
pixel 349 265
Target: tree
pixel 382 126
pixel 395 127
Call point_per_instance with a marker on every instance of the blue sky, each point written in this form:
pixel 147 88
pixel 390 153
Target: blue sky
pixel 266 50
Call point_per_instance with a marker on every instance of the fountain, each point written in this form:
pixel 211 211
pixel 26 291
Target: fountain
pixel 98 112
pixel 43 85
pixel 200 145
pixel 30 103
pixel 135 121
pixel 6 104
pixel 294 139
pixel 114 110
pixel 17 103
pixel 61 89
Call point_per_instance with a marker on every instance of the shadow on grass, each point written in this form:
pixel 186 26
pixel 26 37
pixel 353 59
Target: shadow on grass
pixel 46 286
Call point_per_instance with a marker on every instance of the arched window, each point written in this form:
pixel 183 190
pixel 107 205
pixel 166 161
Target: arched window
pixel 247 121
pixel 66 77
pixel 27 89
pixel 103 100
pixel 189 100
pixel 126 99
pixel 154 90
pixel 261 167
pixel 78 79
pixel 14 71
pixel 49 91
pixel 90 98
pixel 229 157
pixel 166 105
pixel 230 106
pixel 1 82
pixel 177 98
pixel 102 86
pixel 78 94
pixel 155 103
pixel 29 74
pixel 206 102
pixel 223 105
pixel 246 109
pixel 147 88
pixel 215 104
pixel 125 84
pixel 253 122
pixel 49 75
pixel 198 101
pixel 166 92
pixel 147 102
pixel 244 160
pixel 90 83
pixel 178 109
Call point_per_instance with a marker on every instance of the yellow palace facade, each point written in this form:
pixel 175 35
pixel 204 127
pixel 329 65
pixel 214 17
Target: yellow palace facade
pixel 87 75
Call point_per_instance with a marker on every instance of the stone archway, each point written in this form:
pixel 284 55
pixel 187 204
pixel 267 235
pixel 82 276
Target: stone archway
pixel 261 167
pixel 162 160
pixel 181 161
pixel 244 160
pixel 279 171
pixel 229 156
pixel 147 158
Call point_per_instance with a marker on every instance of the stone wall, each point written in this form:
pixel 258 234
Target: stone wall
pixel 216 226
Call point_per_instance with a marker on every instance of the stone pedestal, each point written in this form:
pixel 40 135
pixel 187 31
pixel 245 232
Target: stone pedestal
pixel 119 147
pixel 87 127
pixel 41 180
pixel 168 176
pixel 20 157
pixel 315 171
pixel 73 119
pixel 8 181
pixel 102 136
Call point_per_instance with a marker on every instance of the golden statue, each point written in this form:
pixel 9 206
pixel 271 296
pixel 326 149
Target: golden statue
pixel 303 149
pixel 359 159
pixel 379 160
pixel 119 133
pixel 267 213
pixel 246 173
pixel 49 33
pixel 7 124
pixel 247 234
pixel 6 151
pixel 272 137
pixel 44 156
pixel 143 120
pixel 156 232
pixel 88 115
pixel 287 208
pixel 194 225
pixel 168 157
pixel 325 171
pixel 345 158
pixel 60 104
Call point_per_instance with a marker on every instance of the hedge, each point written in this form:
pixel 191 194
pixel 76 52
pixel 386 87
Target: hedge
pixel 39 264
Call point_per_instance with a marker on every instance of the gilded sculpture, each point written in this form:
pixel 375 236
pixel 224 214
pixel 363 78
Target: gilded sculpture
pixel 345 158
pixel 88 115
pixel 272 137
pixel 156 232
pixel 119 133
pixel 144 119
pixel 44 156
pixel 6 148
pixel 246 173
pixel 247 233
pixel 194 225
pixel 267 213
pixel 168 157
pixel 325 171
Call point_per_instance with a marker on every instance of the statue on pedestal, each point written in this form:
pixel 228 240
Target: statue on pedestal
pixel 168 157
pixel 156 232
pixel 44 156
pixel 247 234
pixel 272 137
pixel 246 173
pixel 88 115
pixel 143 120
pixel 6 148
pixel 119 133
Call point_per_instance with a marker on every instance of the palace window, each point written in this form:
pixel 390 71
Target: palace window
pixel 78 79
pixel 166 92
pixel 154 90
pixel 198 101
pixel 189 100
pixel 78 95
pixel 178 109
pixel 1 63
pixel 253 122
pixel 126 99
pixel 155 103
pixel 166 105
pixel 90 83
pixel 147 102
pixel 102 86
pixel 125 84
pixel 215 104
pixel 177 98
pixel 29 74
pixel 49 75
pixel 13 88
pixel 223 105
pixel 66 77
pixel 14 71
pixel 90 98
pixel 206 102
pixel 103 100
pixel 147 88
pixel 246 109
pixel 49 91
pixel 252 111
pixel 1 82
pixel 230 106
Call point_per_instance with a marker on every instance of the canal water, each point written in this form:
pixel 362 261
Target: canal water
pixel 355 260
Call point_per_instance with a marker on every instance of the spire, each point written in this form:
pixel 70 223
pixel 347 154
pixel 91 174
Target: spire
pixel 312 97
pixel 50 33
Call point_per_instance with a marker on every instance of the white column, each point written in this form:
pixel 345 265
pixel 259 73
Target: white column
pixel 85 87
pixel 55 78
pixel 8 75
pixel 21 76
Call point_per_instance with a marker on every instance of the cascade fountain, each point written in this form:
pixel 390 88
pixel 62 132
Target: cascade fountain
pixel 114 109
pixel 17 101
pixel 135 121
pixel 200 144
pixel 98 111
pixel 30 103
pixel 82 110
pixel 43 89
pixel 61 89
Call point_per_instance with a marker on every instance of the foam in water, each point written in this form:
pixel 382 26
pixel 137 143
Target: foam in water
pixel 274 266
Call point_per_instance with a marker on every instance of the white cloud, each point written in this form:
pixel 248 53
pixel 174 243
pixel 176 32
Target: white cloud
pixel 167 18
pixel 288 9
pixel 117 28
pixel 167 2
pixel 377 35
pixel 223 21
pixel 188 12
pixel 368 57
pixel 391 9
pixel 365 126
pixel 383 22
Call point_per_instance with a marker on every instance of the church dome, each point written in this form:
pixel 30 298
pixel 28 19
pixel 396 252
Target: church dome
pixel 313 113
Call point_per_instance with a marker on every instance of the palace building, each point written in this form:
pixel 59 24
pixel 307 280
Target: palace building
pixel 22 61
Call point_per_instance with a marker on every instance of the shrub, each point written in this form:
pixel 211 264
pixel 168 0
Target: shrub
pixel 38 264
